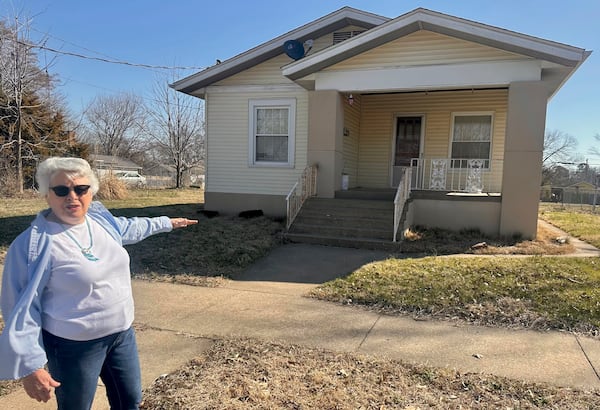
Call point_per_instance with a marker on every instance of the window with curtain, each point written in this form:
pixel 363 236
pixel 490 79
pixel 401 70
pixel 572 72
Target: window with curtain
pixel 471 139
pixel 272 132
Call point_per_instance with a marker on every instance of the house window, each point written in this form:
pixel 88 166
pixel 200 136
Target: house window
pixel 272 127
pixel 471 139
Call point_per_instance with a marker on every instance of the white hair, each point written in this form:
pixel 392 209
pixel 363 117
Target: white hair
pixel 72 167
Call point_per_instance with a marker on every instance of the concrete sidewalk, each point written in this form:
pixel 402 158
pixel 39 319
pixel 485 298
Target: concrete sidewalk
pixel 267 302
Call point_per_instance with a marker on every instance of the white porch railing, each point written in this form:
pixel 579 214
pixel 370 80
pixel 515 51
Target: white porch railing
pixel 402 194
pixel 305 187
pixel 457 175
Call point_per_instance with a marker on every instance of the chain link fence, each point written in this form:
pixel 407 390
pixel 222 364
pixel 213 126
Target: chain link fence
pixel 588 197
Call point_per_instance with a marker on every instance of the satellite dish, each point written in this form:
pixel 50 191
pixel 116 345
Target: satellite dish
pixel 308 44
pixel 294 49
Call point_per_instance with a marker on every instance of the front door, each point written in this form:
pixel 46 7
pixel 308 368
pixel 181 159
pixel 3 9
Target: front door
pixel 407 143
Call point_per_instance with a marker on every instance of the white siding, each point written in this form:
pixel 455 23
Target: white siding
pixel 424 48
pixel 266 73
pixel 351 140
pixel 377 127
pixel 227 130
pixel 269 72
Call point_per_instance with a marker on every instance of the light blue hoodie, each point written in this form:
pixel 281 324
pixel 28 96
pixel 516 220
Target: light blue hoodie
pixel 26 273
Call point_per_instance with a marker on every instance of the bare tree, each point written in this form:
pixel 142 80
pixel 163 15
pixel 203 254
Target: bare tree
pixel 115 123
pixel 558 147
pixel 176 128
pixel 21 79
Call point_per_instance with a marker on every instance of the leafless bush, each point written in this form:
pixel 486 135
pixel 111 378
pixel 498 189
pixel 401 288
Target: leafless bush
pixel 112 188
pixel 8 183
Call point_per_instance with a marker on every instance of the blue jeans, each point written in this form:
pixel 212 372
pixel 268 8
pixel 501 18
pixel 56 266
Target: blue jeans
pixel 77 366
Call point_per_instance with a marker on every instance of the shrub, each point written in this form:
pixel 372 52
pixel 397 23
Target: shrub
pixel 112 188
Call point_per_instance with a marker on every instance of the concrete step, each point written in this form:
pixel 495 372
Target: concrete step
pixel 334 203
pixel 343 231
pixel 359 243
pixel 384 194
pixel 360 223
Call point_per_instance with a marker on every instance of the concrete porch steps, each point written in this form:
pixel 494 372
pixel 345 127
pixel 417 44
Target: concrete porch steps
pixel 358 223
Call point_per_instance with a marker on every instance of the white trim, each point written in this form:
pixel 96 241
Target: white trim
pixel 499 73
pixel 253 104
pixel 237 89
pixel 467 114
pixel 275 46
pixel 422 19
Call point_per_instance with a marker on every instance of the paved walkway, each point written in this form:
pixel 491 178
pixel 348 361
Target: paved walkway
pixel 267 302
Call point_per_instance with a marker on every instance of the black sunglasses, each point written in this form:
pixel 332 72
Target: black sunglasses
pixel 61 190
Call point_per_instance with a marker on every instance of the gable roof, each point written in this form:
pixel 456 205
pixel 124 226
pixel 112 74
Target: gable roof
pixel 560 60
pixel 338 19
pixel 423 19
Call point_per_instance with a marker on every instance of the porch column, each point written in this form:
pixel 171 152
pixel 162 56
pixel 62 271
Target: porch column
pixel 325 139
pixel 522 175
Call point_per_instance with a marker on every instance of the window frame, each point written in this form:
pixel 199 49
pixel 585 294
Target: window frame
pixel 271 103
pixel 487 160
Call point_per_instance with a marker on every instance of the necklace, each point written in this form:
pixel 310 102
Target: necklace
pixel 87 252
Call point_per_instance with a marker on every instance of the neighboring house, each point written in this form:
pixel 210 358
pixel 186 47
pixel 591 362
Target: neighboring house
pixel 578 193
pixel 455 106
pixel 106 164
pixel 167 173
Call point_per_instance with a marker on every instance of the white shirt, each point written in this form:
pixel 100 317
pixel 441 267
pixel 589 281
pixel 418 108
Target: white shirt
pixel 86 299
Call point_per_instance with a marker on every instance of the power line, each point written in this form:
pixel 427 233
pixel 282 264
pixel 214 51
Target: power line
pixel 107 60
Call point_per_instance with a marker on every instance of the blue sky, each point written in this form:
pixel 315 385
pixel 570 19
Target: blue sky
pixel 192 33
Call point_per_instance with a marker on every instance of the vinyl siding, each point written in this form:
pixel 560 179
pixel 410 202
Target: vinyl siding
pixel 269 72
pixel 377 127
pixel 227 130
pixel 424 48
pixel 227 148
pixel 351 141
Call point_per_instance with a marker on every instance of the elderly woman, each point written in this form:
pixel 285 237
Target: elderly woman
pixel 66 294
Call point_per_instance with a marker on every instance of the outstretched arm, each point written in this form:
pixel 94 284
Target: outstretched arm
pixel 182 222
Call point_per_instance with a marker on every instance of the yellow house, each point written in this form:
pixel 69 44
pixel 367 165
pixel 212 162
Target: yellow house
pixel 447 113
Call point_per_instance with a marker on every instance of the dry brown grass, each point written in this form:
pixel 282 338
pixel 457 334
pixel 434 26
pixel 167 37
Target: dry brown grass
pixel 442 242
pixel 111 188
pixel 253 374
pixel 549 241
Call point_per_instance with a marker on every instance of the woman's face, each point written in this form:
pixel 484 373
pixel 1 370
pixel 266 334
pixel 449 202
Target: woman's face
pixel 72 208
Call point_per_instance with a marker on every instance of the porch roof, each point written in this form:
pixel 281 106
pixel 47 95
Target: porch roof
pixel 559 60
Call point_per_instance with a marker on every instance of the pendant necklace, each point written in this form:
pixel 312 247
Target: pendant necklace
pixel 87 252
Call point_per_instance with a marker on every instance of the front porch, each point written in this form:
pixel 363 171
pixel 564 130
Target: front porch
pixel 376 218
pixel 486 141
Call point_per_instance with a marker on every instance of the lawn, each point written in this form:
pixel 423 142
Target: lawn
pixel 213 248
pixel 580 221
pixel 529 292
